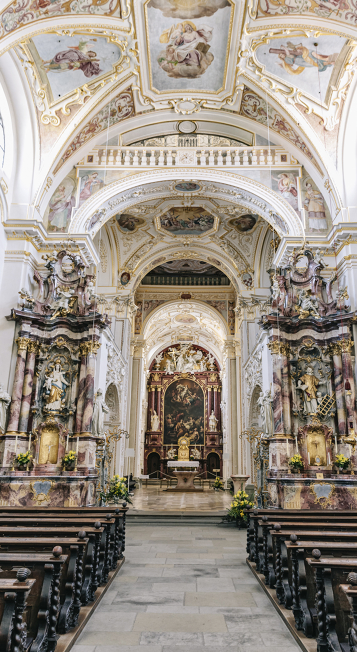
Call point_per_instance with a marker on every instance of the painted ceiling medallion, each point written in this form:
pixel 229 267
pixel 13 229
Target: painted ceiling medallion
pixel 181 221
pixel 185 319
pixel 187 45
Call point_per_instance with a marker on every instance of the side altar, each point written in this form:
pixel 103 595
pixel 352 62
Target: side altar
pixel 310 411
pixel 50 411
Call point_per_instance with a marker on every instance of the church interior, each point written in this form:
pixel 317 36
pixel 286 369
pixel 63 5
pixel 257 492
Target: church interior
pixel 178 325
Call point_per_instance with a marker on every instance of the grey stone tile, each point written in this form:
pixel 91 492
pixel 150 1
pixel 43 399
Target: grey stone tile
pixel 198 648
pixel 193 571
pixel 174 586
pixel 150 598
pixel 252 638
pixel 127 648
pixel 109 638
pixel 212 584
pixel 172 609
pixel 105 622
pixel 171 639
pixel 83 648
pixel 121 607
pixel 190 623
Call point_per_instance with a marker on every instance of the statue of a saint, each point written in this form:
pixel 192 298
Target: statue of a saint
pixel 64 301
pixel 155 422
pixel 55 386
pixel 308 384
pixel 268 414
pixel 100 408
pixel 5 400
pixel 307 305
pixel 212 422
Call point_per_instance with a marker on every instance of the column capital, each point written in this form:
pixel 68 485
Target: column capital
pixel 334 348
pixel 33 347
pixel 22 343
pixel 276 347
pixel 346 345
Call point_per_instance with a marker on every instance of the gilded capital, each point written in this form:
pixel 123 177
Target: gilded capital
pixel 334 348
pixel 93 347
pixel 83 348
pixel 22 343
pixel 277 348
pixel 346 346
pixel 32 347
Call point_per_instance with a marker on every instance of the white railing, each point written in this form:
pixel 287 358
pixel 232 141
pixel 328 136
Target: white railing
pixel 188 156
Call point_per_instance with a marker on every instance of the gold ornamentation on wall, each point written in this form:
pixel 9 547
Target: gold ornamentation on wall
pixel 316 446
pixel 323 492
pixel 40 489
pixel 22 343
pixel 276 348
pixel 346 346
pixel 49 444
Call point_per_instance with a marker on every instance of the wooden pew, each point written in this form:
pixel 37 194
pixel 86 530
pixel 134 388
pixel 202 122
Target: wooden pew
pixel 71 579
pixel 350 591
pixel 13 596
pixel 101 535
pixel 331 603
pixel 43 601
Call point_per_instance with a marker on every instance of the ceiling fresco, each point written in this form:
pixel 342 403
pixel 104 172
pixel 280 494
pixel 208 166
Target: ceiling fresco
pixel 23 12
pixel 186 221
pixel 65 63
pixel 186 53
pixel 337 10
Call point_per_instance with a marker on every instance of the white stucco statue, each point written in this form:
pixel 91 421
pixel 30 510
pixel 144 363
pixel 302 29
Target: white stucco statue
pixel 5 399
pixel 268 418
pixel 55 385
pixel 212 422
pixel 100 408
pixel 155 422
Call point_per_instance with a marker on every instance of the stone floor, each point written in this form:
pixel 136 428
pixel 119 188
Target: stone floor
pixel 154 499
pixel 186 589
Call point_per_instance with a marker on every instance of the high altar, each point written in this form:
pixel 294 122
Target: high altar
pixel 311 408
pixel 51 407
pixel 184 396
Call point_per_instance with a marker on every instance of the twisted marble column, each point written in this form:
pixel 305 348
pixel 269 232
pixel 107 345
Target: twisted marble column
pixel 83 349
pixel 16 397
pixel 335 350
pixel 32 349
pixel 89 388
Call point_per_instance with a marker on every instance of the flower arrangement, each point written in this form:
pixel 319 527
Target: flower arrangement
pixel 69 459
pixel 296 462
pixel 238 505
pixel 23 458
pixel 341 461
pixel 218 484
pixel 117 490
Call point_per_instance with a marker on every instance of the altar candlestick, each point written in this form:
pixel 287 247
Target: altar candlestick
pixel 29 442
pixel 296 444
pixel 15 445
pixel 67 443
pixel 335 444
pixel 308 457
pixel 287 447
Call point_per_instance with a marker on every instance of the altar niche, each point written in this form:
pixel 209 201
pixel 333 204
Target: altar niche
pixel 184 396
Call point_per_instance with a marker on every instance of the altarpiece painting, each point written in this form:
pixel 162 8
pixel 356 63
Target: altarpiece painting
pixel 184 412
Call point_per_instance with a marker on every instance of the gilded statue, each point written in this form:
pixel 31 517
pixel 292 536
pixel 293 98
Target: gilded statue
pixel 55 386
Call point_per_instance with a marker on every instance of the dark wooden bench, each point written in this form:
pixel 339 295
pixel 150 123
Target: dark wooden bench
pixel 43 602
pixel 71 579
pixel 13 596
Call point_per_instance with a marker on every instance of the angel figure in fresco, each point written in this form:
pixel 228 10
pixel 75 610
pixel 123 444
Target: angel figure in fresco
pixel 315 206
pixel 301 57
pixel 61 204
pixel 187 50
pixel 287 186
pixel 76 57
pixel 91 184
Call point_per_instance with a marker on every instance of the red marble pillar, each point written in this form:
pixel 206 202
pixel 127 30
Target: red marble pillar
pixel 32 350
pixel 339 388
pixel 158 403
pixel 149 412
pixel 83 348
pixel 16 398
pixel 285 351
pixel 219 399
pixel 209 396
pixel 89 388
pixel 215 402
pixel 152 406
pixel 275 348
pixel 348 383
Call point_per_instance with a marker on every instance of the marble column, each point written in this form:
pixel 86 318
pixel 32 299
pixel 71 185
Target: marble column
pixel 32 349
pixel 219 398
pixel 16 397
pixel 215 402
pixel 152 407
pixel 335 350
pixel 149 407
pixel 348 383
pixel 83 349
pixel 285 352
pixel 209 397
pixel 158 402
pixel 89 388
pixel 275 347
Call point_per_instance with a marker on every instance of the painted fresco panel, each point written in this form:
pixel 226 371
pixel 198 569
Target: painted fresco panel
pixel 58 213
pixel 184 412
pixel 188 44
pixel 183 221
pixel 285 183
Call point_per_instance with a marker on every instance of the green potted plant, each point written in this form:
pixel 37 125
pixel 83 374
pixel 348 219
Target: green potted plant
pixel 236 512
pixel 218 484
pixel 117 490
pixel 342 462
pixel 296 463
pixel 69 461
pixel 23 459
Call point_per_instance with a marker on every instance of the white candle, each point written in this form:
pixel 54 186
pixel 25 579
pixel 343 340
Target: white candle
pixel 15 445
pixel 287 447
pixel 67 443
pixel 29 442
pixel 296 444
pixel 335 444
pixel 308 457
pixel 328 459
pixel 77 447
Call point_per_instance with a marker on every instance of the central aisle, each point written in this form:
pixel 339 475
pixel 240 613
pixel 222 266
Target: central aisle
pixel 185 589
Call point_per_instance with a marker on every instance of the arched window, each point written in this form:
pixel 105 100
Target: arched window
pixel 2 142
